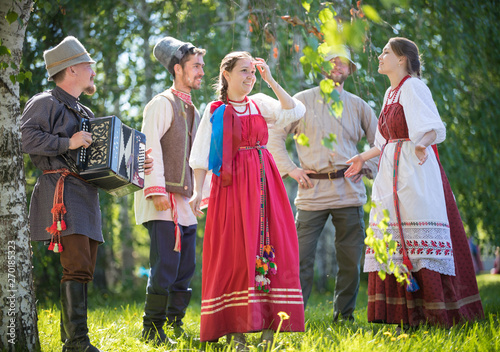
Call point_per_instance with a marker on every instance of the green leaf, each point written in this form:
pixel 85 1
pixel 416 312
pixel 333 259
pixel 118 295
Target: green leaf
pixel 326 86
pixel 325 15
pixel 355 32
pixel 13 79
pixel 329 141
pixel 331 33
pixel 323 49
pixel 306 5
pixel 382 275
pixel 304 60
pixel 302 139
pixel 20 77
pixel 392 3
pixel 311 54
pixel 337 108
pixel 4 50
pixel 11 16
pixel 386 213
pixel 28 75
pixel 47 6
pixel 371 13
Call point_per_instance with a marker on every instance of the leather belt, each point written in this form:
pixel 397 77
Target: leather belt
pixel 336 174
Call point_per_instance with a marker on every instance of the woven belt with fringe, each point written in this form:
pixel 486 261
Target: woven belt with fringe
pixel 58 209
pixel 265 264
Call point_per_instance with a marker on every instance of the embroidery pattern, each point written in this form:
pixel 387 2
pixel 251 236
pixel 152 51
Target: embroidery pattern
pixel 154 189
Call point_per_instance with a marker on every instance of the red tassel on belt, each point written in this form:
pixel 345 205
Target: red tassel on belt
pixel 58 209
pixel 173 209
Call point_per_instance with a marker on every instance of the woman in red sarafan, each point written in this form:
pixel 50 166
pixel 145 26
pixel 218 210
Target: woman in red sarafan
pixel 250 250
pixel 424 218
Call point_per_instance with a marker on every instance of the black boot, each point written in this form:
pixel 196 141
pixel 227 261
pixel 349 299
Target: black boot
pixel 63 331
pixel 155 310
pixel 176 310
pixel 74 317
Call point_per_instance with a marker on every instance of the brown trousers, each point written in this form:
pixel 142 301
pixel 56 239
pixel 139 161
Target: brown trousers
pixel 78 258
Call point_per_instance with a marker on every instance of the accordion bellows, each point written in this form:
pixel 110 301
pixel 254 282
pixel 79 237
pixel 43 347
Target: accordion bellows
pixel 114 161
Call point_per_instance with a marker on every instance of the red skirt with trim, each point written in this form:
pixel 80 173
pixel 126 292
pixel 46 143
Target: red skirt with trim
pixel 442 299
pixel 230 301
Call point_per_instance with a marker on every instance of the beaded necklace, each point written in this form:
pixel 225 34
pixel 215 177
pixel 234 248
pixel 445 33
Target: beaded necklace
pixel 391 97
pixel 244 101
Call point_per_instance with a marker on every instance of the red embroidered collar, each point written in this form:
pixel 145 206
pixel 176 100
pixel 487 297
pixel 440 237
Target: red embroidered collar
pixel 185 97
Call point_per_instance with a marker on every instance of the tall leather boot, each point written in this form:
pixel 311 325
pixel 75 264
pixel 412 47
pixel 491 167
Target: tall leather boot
pixel 155 310
pixel 74 317
pixel 176 310
pixel 63 331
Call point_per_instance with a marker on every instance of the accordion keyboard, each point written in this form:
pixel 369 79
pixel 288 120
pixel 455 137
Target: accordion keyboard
pixel 83 151
pixel 141 158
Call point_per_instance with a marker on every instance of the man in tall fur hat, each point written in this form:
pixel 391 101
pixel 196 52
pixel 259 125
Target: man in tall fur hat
pixel 170 124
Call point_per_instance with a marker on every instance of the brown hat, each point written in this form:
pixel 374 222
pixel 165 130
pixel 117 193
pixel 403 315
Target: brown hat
pixel 169 51
pixel 68 53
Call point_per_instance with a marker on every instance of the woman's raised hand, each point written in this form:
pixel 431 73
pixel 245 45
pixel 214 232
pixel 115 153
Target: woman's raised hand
pixel 264 70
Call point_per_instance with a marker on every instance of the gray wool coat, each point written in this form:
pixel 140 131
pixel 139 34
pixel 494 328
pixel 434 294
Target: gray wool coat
pixel 47 124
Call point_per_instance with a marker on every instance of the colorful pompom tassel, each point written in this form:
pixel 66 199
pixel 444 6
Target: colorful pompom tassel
pixel 412 286
pixel 411 283
pixel 265 266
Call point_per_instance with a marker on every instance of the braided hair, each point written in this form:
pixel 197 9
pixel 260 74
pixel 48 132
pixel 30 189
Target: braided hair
pixel 405 47
pixel 227 64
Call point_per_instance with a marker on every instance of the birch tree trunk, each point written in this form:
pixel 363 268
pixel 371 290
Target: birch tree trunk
pixel 18 317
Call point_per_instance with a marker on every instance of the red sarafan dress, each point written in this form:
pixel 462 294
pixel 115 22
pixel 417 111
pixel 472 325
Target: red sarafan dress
pixel 421 204
pixel 230 300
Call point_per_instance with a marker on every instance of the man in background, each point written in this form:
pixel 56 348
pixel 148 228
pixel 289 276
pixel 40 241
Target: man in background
pixel 323 190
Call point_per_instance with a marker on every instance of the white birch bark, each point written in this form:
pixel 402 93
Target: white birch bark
pixel 18 317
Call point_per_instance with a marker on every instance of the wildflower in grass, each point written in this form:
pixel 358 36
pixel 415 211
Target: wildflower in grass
pixel 388 333
pixel 393 339
pixel 283 316
pixel 403 336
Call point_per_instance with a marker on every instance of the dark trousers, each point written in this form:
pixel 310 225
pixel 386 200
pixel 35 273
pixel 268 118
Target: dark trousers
pixel 349 244
pixel 170 271
pixel 78 259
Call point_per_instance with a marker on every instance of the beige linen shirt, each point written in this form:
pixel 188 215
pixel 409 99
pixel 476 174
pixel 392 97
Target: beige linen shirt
pixel 157 118
pixel 357 120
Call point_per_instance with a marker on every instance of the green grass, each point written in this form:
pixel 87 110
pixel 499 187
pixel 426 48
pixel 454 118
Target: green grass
pixel 116 326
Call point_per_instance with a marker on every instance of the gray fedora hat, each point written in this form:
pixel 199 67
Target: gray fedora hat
pixel 169 51
pixel 67 53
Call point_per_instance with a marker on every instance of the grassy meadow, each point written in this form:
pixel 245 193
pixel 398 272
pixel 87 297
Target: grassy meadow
pixel 115 324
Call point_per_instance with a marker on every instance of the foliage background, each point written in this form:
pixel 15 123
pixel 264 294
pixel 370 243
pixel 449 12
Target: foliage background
pixel 459 43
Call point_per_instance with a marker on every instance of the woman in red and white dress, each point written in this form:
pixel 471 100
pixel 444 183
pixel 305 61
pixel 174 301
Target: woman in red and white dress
pixel 424 219
pixel 250 251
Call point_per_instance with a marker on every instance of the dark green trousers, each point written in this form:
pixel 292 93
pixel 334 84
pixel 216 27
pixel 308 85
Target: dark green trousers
pixel 349 244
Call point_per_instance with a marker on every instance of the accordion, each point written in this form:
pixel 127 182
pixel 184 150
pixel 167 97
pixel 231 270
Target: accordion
pixel 114 161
